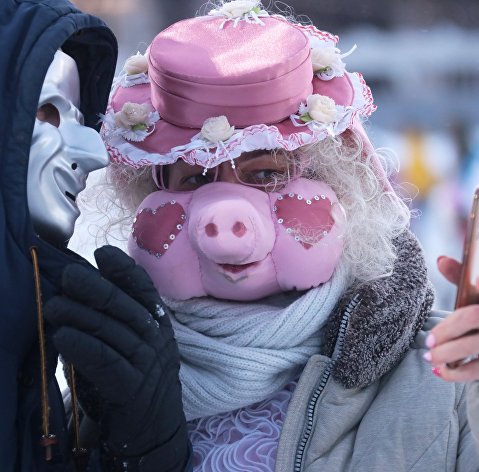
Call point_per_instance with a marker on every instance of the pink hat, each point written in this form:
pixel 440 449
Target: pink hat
pixel 213 87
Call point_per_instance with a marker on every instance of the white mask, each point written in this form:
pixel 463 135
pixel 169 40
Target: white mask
pixel 62 153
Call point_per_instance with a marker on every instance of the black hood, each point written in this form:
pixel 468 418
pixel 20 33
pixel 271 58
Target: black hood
pixel 30 34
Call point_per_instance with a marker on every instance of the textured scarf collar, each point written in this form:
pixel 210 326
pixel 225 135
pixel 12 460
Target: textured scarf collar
pixel 234 354
pixel 383 325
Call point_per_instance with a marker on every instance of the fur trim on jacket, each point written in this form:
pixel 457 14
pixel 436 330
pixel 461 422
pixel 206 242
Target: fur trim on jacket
pixel 385 321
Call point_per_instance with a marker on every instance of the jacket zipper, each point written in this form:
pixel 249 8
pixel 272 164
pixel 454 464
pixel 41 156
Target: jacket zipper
pixel 298 461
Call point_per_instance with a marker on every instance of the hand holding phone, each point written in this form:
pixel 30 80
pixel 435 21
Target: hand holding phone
pixel 454 343
pixel 468 289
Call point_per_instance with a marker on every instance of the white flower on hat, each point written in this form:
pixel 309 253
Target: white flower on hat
pixel 137 64
pixel 248 10
pixel 320 108
pixel 327 59
pixel 134 122
pixel 238 8
pixel 133 116
pixel 217 129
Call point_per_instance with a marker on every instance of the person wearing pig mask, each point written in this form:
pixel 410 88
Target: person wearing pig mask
pixel 298 296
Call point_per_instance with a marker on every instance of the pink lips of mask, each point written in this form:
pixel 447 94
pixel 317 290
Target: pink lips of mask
pixel 236 242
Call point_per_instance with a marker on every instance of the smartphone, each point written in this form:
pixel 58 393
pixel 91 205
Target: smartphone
pixel 467 290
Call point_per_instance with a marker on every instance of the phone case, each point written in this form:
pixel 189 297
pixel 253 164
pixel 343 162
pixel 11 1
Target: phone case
pixel 468 291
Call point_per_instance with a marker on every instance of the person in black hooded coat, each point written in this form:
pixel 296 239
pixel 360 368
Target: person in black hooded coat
pixel 30 34
pixel 31 31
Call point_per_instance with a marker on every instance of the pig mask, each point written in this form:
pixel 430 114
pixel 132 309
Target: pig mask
pixel 235 242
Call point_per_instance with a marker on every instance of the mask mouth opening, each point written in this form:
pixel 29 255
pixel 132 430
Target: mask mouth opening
pixel 71 196
pixel 237 268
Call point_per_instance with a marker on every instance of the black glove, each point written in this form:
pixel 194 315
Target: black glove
pixel 108 327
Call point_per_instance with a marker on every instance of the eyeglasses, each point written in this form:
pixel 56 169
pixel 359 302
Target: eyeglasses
pixel 263 170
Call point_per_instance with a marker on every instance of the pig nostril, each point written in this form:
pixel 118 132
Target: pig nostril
pixel 239 229
pixel 211 230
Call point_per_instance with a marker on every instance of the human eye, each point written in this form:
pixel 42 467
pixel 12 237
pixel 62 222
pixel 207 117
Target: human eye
pixel 194 181
pixel 265 176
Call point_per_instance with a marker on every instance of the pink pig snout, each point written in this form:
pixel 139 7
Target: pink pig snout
pixel 225 233
pixel 231 230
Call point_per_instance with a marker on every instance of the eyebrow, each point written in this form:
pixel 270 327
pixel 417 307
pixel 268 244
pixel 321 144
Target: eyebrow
pixel 255 154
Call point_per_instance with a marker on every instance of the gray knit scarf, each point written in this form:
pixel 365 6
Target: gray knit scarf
pixel 234 354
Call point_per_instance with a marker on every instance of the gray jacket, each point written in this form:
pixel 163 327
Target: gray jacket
pixel 370 402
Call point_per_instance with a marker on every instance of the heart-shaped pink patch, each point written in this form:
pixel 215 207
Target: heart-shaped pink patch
pixel 308 221
pixel 154 230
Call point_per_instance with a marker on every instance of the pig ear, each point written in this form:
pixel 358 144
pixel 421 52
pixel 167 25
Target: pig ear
pixel 339 215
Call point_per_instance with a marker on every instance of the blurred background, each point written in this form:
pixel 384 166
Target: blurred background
pixel 421 59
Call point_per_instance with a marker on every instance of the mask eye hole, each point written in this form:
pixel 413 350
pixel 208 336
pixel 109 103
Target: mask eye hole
pixel 74 166
pixel 49 114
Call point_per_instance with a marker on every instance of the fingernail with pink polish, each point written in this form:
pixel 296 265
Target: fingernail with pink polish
pixel 430 341
pixel 436 371
pixel 427 356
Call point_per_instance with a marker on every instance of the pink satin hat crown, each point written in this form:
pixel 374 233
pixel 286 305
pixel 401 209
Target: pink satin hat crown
pixel 254 78
pixel 250 74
